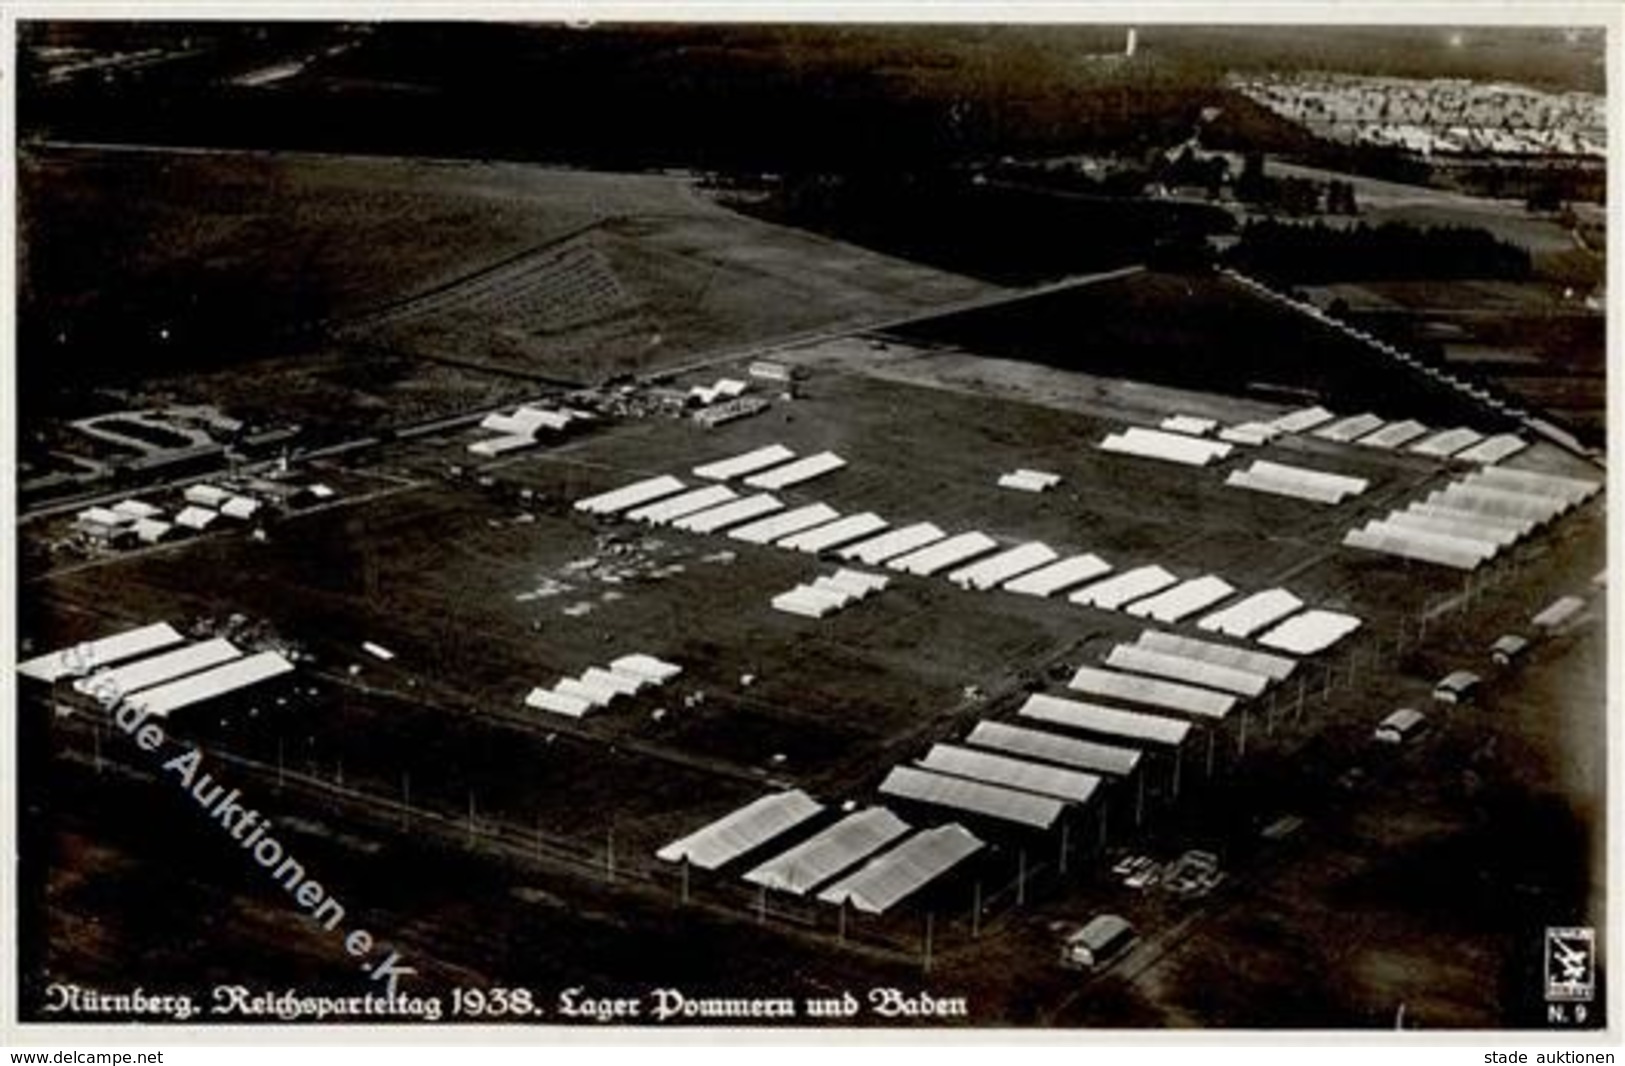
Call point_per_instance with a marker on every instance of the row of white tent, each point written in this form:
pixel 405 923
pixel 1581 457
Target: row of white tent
pixel 1183 438
pixel 772 467
pixel 869 859
pixel 1028 773
pixel 1370 431
pixel 828 594
pixel 155 669
pixel 1474 518
pixel 971 560
pixel 595 687
pixel 521 428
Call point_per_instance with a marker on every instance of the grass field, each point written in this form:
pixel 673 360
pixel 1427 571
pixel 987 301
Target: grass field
pixel 386 287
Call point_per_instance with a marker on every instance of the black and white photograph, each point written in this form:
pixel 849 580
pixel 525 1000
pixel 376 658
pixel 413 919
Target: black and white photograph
pixel 804 526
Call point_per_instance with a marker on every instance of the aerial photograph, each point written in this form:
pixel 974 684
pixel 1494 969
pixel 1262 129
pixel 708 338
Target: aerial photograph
pixel 1049 527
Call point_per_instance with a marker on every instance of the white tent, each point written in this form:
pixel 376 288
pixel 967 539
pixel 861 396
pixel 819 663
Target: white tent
pixel 1297 481
pixel 1414 544
pixel 1310 632
pixel 829 852
pixel 672 508
pixel 545 699
pixel 1052 747
pixel 1106 721
pixel 748 463
pixel 1303 420
pixel 1276 667
pixel 1447 443
pixel 1501 525
pixel 1464 526
pixel 595 695
pixel 1029 480
pixel 877 550
pixel 1130 585
pixel 892 877
pixel 1393 435
pixel 137 509
pixel 1170 447
pixel 1248 616
pixel 1253 434
pixel 205 495
pixel 857 582
pixel 1570 489
pixel 647 667
pixel 997 569
pixel 1065 574
pixel 491 447
pixel 784 523
pixel 130 677
pixel 809 602
pixel 834 534
pixel 80 659
pixel 1070 786
pixel 974 797
pixel 151 530
pixel 241 508
pixel 613 680
pixel 728 514
pixel 1485 500
pixel 1347 429
pixel 941 555
pixel 1143 660
pixel 196 518
pixel 163 700
pixel 720 842
pixel 1169 695
pixel 795 473
pixel 1493 449
pixel 633 495
pixel 1182 600
pixel 1191 425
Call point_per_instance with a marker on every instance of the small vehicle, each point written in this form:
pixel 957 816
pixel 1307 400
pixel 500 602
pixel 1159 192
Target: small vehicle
pixel 1399 726
pixel 1509 648
pixel 1459 686
pixel 1104 938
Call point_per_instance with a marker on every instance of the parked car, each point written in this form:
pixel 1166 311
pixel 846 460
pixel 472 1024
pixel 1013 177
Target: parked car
pixel 1459 686
pixel 1508 649
pixel 1104 938
pixel 1400 726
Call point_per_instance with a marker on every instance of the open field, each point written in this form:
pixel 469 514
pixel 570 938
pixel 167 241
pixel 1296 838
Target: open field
pixel 1199 332
pixel 1534 340
pixel 387 287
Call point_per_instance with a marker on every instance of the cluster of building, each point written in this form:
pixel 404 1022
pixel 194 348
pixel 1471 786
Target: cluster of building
pixel 598 687
pixel 135 521
pixel 1444 116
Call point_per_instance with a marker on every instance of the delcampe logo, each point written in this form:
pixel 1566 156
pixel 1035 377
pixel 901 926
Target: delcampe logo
pixel 1571 964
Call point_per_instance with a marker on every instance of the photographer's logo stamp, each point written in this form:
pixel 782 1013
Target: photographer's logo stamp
pixel 1571 964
